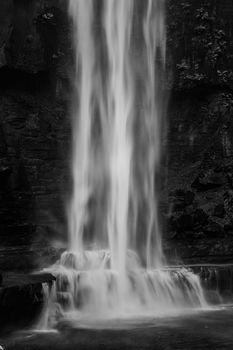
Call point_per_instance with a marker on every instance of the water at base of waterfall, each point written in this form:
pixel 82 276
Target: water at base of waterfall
pixel 88 292
pixel 198 330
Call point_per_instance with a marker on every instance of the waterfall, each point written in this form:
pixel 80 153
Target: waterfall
pixel 117 127
pixel 115 265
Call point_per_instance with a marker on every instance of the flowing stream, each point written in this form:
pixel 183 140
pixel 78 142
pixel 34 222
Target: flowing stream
pixel 114 266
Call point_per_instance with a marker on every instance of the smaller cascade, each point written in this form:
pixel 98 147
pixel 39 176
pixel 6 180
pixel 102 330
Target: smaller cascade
pixel 217 281
pixel 48 292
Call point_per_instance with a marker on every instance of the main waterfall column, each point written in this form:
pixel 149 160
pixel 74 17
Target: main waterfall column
pixel 118 21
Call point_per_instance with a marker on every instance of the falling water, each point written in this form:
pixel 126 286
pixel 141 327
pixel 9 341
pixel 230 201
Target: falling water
pixel 114 266
pixel 116 131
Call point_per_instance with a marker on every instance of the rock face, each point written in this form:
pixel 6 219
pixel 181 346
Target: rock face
pixel 200 129
pixel 35 89
pixel 199 42
pixel 34 128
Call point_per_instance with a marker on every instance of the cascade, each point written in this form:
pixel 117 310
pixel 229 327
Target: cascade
pixel 115 266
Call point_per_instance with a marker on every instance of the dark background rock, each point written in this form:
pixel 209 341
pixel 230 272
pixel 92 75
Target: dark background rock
pixel 200 130
pixel 35 89
pixel 35 53
pixel 22 300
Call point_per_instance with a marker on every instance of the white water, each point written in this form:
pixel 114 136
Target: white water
pixel 114 264
pixel 116 127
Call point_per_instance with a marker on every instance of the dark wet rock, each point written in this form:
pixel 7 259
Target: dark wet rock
pixel 228 229
pixel 189 226
pixel 18 279
pixel 219 211
pixel 200 158
pixel 189 197
pixel 213 229
pixel 181 199
pixel 200 218
pixel 184 222
pixel 205 182
pixel 200 52
pixel 21 299
pixel 27 48
pixel 5 27
pixel 5 172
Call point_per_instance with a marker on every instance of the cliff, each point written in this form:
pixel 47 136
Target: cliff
pixel 35 90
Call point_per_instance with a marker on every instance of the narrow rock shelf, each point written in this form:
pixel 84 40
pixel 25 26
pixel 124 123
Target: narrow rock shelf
pixel 19 280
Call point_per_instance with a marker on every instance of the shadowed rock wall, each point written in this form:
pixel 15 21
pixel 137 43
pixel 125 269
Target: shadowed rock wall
pixel 34 128
pixel 200 129
pixel 35 89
